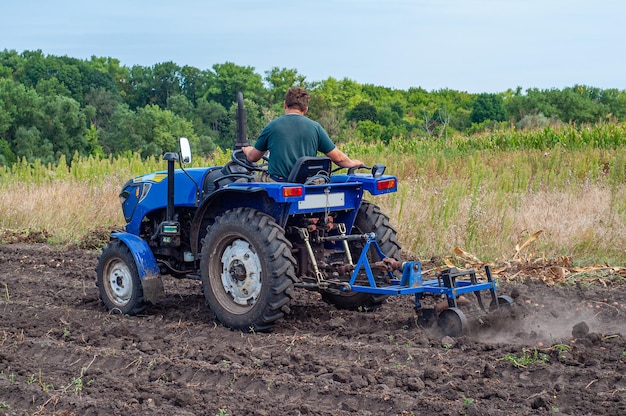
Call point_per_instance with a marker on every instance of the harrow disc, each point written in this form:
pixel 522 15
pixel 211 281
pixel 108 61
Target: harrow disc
pixel 452 322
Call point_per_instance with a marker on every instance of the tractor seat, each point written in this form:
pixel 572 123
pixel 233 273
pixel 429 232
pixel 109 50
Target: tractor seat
pixel 310 170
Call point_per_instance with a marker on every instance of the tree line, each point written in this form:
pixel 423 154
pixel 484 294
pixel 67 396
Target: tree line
pixel 59 105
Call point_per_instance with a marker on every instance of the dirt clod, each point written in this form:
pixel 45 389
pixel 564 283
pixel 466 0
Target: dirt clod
pixel 580 330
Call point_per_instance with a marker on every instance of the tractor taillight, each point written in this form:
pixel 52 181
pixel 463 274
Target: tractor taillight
pixel 386 184
pixel 292 191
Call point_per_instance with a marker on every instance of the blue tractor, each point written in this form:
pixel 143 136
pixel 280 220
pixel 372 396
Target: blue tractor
pixel 252 243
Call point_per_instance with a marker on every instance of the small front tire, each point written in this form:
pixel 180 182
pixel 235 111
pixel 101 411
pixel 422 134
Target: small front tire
pixel 118 280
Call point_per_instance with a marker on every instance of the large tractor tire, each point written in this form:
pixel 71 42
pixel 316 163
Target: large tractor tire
pixel 118 280
pixel 247 270
pixel 369 219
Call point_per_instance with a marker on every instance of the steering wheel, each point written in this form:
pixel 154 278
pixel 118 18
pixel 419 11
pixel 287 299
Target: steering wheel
pixel 351 170
pixel 239 158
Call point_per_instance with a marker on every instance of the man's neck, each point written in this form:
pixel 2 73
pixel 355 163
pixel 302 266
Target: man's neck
pixel 294 111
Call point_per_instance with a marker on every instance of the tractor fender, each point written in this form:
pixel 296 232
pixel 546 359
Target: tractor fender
pixel 228 198
pixel 147 266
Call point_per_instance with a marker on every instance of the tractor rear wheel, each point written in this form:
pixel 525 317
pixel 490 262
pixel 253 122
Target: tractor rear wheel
pixel 247 270
pixel 118 280
pixel 369 219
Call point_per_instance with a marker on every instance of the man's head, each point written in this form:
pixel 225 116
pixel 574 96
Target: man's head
pixel 297 98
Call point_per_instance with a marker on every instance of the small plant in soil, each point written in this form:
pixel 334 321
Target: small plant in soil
pixel 45 387
pixel 467 402
pixel 5 295
pixel 525 358
pixel 561 348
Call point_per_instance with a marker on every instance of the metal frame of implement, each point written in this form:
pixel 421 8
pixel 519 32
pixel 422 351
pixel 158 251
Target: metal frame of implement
pixel 411 283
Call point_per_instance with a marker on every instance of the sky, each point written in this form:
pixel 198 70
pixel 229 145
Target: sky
pixel 467 45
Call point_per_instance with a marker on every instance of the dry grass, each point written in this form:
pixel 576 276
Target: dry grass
pixel 583 225
pixel 66 210
pixel 483 202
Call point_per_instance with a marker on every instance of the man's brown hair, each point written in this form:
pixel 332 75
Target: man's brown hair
pixel 297 97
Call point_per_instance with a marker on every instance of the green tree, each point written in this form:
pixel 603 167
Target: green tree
pixel 122 135
pixel 104 103
pixel 211 118
pixel 192 83
pixel 279 80
pixel 140 89
pixel 488 107
pixel 363 111
pixel 7 157
pixel 113 71
pixel 161 130
pixel 31 146
pixel 19 107
pixel 63 124
pixel 254 124
pixel 166 82
pixel 181 106
pixel 229 79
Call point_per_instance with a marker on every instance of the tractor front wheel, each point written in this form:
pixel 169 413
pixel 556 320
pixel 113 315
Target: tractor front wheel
pixel 247 270
pixel 118 280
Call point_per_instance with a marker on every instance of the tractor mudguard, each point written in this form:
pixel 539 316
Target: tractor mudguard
pixel 263 197
pixel 147 266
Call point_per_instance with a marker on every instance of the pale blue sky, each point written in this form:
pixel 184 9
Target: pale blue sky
pixel 467 45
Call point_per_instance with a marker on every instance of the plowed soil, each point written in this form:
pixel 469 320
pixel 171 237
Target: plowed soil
pixel 562 351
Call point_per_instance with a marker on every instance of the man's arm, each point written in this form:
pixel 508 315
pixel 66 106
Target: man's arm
pixel 341 159
pixel 252 153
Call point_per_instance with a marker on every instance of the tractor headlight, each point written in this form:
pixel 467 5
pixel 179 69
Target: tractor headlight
pixel 145 189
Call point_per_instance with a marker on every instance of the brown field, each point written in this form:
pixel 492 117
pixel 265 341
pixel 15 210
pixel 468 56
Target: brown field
pixel 562 351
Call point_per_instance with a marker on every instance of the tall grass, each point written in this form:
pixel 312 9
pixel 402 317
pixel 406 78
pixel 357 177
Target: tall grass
pixel 488 201
pixel 484 194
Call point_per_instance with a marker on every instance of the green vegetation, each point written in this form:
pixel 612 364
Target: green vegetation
pixel 5 296
pixel 53 106
pixel 526 358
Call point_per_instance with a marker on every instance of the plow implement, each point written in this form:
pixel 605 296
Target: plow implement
pixel 451 285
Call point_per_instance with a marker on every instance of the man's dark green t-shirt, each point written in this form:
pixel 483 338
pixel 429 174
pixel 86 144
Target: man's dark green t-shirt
pixel 288 138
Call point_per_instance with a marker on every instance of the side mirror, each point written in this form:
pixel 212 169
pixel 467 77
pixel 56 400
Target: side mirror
pixel 185 151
